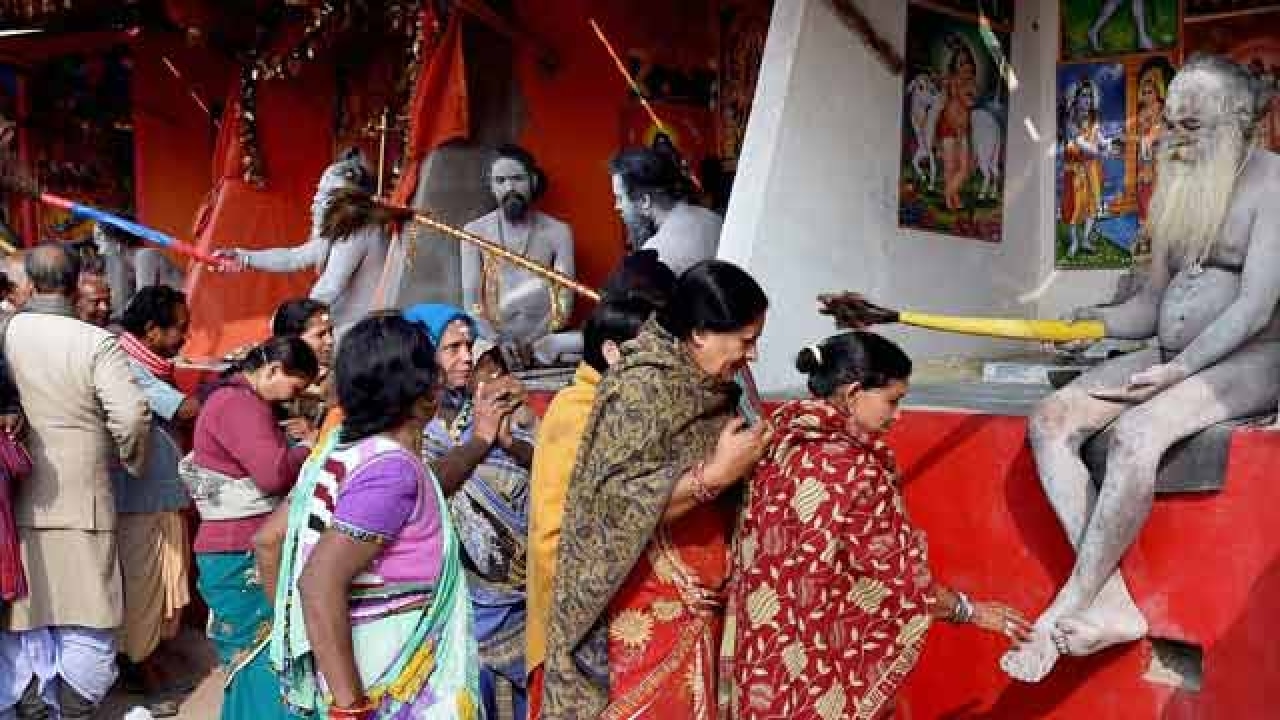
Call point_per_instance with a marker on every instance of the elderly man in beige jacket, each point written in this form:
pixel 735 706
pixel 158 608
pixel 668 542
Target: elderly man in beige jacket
pixel 84 412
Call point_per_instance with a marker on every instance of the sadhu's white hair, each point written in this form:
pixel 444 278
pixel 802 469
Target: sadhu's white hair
pixel 1237 92
pixel 1190 204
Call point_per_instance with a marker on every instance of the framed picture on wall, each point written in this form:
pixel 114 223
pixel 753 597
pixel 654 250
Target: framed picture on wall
pixel 1093 29
pixel 1097 219
pixel 1253 40
pixel 951 177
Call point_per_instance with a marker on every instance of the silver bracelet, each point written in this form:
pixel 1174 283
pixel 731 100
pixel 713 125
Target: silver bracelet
pixel 963 611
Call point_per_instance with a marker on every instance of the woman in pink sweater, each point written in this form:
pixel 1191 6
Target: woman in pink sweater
pixel 240 469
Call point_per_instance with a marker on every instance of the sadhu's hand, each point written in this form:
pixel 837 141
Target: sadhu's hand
pixel 1001 619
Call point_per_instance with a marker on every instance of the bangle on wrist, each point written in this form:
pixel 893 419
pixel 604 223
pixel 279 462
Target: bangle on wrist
pixel 701 491
pixel 962 611
pixel 362 709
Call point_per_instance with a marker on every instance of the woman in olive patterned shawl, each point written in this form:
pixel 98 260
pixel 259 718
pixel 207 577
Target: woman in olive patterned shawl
pixel 637 602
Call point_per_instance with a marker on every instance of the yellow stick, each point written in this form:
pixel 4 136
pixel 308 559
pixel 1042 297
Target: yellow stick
pixel 1011 328
pixel 635 86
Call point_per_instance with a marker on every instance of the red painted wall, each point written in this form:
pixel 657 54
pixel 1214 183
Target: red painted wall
pixel 1205 570
pixel 173 136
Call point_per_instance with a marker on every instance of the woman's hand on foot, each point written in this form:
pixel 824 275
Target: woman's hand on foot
pixel 1003 620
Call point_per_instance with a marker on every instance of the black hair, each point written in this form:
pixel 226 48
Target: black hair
pixel 713 296
pixel 618 321
pixel 642 276
pixel 53 269
pixel 152 305
pixel 296 358
pixel 6 285
pixel 653 173
pixel 859 357
pixel 511 151
pixel 385 365
pixel 292 316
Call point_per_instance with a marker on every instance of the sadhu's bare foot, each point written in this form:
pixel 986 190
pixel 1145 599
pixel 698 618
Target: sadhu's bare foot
pixel 1031 661
pixel 1096 630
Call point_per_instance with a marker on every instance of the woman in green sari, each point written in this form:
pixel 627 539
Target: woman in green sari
pixel 372 614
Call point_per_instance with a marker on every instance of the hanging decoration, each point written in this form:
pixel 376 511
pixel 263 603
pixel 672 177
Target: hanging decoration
pixel 419 36
pixel 319 33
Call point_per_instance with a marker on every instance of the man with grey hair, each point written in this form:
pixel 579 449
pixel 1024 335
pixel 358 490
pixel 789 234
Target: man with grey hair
pixel 84 413
pixel 15 268
pixel 1210 303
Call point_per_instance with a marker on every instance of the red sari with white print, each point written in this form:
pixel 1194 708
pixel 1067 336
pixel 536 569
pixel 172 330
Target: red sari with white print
pixel 832 580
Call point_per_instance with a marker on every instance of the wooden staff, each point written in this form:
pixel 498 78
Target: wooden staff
pixel 514 258
pixel 635 88
pixel 351 208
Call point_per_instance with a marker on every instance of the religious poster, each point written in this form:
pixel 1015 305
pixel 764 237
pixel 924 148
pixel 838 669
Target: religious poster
pixel 1207 8
pixel 1253 40
pixel 1097 219
pixel 998 12
pixel 954 124
pixel 1147 81
pixel 1103 28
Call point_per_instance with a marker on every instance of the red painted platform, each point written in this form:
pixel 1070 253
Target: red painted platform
pixel 1205 570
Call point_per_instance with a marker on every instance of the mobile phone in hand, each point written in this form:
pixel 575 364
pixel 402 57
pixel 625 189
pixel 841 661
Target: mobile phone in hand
pixel 750 407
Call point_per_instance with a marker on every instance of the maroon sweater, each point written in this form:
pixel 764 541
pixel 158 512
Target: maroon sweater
pixel 237 435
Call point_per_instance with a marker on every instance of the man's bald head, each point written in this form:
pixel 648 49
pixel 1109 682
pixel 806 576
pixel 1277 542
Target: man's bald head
pixel 53 270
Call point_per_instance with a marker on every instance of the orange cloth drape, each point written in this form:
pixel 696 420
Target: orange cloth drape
pixel 439 111
pixel 295 133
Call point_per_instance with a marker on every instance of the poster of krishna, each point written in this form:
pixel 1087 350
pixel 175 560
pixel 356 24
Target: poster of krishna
pixel 954 126
pixel 1097 221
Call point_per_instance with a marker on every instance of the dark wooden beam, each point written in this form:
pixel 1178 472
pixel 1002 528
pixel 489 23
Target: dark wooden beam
pixel 858 22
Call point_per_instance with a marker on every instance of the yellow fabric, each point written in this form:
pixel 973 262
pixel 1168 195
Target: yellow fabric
pixel 557 446
pixel 154 557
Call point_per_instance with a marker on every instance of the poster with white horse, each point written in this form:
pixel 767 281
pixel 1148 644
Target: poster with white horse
pixel 955 120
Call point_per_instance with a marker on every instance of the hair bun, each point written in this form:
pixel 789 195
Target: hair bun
pixel 809 360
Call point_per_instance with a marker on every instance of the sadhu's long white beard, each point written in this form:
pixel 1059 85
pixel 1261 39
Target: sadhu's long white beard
pixel 1191 200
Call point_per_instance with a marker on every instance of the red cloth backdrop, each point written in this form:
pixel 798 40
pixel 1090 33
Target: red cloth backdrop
pixel 439 111
pixel 295 131
pixel 173 135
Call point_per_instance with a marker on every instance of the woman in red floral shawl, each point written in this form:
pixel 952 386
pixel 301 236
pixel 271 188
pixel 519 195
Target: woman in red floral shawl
pixel 833 589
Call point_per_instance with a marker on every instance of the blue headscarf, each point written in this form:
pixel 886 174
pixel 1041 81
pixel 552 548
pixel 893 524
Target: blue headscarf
pixel 435 317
